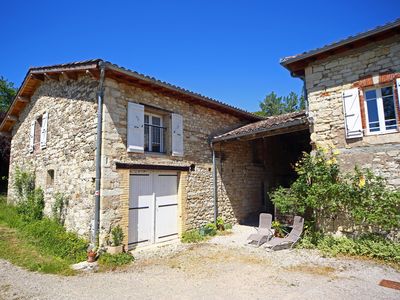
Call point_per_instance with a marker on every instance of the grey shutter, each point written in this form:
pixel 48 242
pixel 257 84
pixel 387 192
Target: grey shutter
pixel 398 89
pixel 177 134
pixel 352 114
pixel 135 130
pixel 43 131
pixel 32 136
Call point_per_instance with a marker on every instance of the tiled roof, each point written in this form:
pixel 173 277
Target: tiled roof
pixel 271 123
pixel 388 26
pixel 149 79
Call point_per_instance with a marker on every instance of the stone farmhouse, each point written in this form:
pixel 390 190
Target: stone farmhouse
pixel 157 159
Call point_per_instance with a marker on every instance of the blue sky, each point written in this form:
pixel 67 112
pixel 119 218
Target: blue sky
pixel 228 50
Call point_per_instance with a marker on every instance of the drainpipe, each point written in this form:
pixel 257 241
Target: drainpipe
pixel 215 194
pixel 100 98
pixel 305 95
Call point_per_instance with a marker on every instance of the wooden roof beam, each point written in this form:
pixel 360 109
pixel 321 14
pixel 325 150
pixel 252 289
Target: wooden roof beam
pixel 92 73
pixel 37 77
pixel 54 76
pixel 23 99
pixel 69 75
pixel 12 118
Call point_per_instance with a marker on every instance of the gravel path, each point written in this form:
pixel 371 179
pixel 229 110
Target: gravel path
pixel 219 269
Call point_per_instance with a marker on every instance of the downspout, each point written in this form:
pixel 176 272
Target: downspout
pixel 100 98
pixel 214 173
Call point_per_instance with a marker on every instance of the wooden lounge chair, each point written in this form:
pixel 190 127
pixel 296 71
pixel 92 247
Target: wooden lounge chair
pixel 264 232
pixel 291 238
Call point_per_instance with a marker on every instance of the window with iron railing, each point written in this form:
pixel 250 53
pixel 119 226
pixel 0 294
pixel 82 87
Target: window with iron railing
pixel 381 110
pixel 154 134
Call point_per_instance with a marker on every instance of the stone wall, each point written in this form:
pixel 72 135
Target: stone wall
pixel 70 148
pixel 326 79
pixel 199 123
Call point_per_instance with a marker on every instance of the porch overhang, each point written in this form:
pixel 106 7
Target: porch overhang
pixel 275 125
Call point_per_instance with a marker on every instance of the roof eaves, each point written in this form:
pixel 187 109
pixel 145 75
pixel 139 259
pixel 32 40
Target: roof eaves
pixel 287 124
pixel 294 58
pixel 178 89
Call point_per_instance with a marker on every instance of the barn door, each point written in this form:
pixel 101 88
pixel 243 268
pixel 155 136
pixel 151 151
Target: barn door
pixel 153 207
pixel 166 190
pixel 141 209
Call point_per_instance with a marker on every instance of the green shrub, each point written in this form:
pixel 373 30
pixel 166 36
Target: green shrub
pixel 116 260
pixel 320 189
pixel 228 226
pixel 372 246
pixel 32 207
pixel 208 229
pixel 192 236
pixel 30 199
pixel 53 239
pixel 58 208
pixel 24 183
pixel 117 235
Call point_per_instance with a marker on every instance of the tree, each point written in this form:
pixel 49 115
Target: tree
pixel 7 93
pixel 276 105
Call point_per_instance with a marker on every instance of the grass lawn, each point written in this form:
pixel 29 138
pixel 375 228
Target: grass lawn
pixel 42 245
pixel 18 251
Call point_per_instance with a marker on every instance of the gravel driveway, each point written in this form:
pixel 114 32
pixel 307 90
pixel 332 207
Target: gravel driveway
pixel 219 269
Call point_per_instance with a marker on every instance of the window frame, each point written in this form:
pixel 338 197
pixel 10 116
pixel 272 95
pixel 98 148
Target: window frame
pixel 380 110
pixel 150 134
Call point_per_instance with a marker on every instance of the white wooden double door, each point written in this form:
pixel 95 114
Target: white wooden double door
pixel 153 207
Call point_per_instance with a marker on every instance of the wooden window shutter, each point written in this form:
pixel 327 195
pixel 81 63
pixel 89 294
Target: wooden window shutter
pixel 177 134
pixel 352 114
pixel 398 98
pixel 135 130
pixel 43 131
pixel 32 136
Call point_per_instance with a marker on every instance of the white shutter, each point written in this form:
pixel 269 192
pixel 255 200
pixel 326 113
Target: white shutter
pixel 135 130
pixel 177 134
pixel 352 114
pixel 32 136
pixel 398 89
pixel 43 131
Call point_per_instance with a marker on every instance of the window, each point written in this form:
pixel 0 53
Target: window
pixel 154 133
pixel 38 133
pixel 38 130
pixel 50 178
pixel 381 110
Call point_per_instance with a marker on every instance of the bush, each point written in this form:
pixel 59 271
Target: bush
pixel 53 239
pixel 117 235
pixel 30 199
pixel 208 229
pixel 32 207
pixel 362 197
pixel 372 246
pixel 192 236
pixel 116 260
pixel 58 208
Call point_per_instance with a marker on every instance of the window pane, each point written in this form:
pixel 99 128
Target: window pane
pixel 373 118
pixel 370 94
pixel 156 139
pixel 156 121
pixel 146 119
pixel 390 113
pixel 146 137
pixel 387 91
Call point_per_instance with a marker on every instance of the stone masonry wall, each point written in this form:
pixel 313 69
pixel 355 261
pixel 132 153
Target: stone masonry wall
pixel 70 147
pixel 326 80
pixel 199 123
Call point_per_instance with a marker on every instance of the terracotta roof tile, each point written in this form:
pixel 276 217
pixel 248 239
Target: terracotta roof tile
pixel 274 122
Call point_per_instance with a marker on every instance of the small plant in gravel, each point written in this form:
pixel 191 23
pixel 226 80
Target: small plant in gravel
pixel 117 236
pixel 117 260
pixel 192 236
